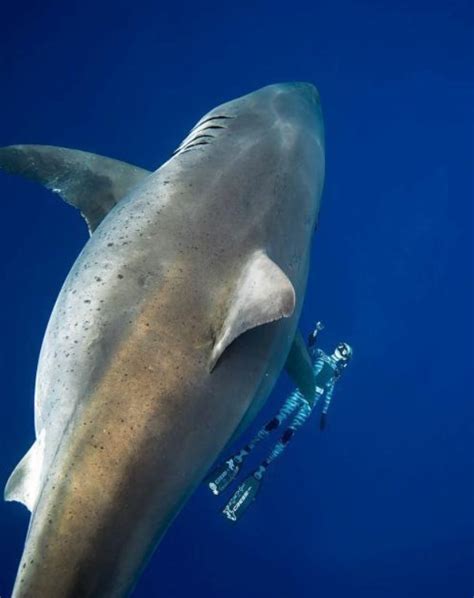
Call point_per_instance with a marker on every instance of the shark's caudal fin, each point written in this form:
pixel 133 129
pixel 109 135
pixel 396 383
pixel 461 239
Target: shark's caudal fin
pixel 91 183
pixel 24 484
pixel 263 294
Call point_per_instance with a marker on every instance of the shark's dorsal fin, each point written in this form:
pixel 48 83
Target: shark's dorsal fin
pixel 299 367
pixel 24 484
pixel 263 293
pixel 91 183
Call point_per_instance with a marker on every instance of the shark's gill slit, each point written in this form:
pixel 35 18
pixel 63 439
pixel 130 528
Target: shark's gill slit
pixel 200 132
pixel 198 143
pixel 192 146
pixel 202 137
pixel 184 147
pixel 213 118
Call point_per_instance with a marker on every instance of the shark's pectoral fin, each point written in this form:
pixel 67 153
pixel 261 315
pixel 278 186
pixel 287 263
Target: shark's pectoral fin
pixel 91 183
pixel 299 366
pixel 24 483
pixel 263 294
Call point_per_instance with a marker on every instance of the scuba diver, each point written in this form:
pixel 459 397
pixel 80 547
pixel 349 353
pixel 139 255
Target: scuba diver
pixel 327 369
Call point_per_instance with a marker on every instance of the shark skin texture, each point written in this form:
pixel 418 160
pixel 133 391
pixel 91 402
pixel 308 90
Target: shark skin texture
pixel 168 334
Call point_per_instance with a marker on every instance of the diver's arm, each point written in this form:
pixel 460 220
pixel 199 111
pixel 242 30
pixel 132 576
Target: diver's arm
pixel 313 335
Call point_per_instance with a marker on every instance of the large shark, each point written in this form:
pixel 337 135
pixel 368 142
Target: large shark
pixel 169 331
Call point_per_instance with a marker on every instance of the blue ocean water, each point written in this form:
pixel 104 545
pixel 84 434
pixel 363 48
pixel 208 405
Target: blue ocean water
pixel 379 505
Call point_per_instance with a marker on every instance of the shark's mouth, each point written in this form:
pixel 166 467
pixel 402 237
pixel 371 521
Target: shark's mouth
pixel 203 133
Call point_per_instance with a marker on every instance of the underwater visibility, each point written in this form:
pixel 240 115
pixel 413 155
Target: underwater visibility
pixel 242 365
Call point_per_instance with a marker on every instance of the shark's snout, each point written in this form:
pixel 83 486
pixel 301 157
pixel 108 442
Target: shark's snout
pixel 295 102
pixel 296 91
pixel 307 90
pixel 279 102
pixel 296 108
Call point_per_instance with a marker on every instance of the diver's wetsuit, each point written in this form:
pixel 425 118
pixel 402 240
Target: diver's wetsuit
pixel 295 403
pixel 326 372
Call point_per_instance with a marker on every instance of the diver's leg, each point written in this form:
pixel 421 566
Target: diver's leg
pixel 300 418
pixel 292 403
pixel 247 491
pixel 226 472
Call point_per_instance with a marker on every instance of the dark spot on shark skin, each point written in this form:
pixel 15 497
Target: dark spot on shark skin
pixel 120 276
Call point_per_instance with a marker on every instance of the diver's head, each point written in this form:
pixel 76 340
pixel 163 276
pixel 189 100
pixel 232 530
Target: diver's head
pixel 342 353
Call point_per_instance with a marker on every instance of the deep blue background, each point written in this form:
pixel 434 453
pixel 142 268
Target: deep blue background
pixel 380 504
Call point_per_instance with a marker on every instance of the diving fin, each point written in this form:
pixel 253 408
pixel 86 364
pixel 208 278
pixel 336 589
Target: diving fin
pixel 243 497
pixel 93 184
pixel 222 476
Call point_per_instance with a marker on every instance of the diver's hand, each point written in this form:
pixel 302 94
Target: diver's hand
pixel 312 336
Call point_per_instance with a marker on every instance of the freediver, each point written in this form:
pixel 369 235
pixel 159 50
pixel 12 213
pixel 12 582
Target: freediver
pixel 327 370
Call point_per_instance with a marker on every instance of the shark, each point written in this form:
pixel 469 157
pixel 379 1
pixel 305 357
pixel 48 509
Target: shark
pixel 169 331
